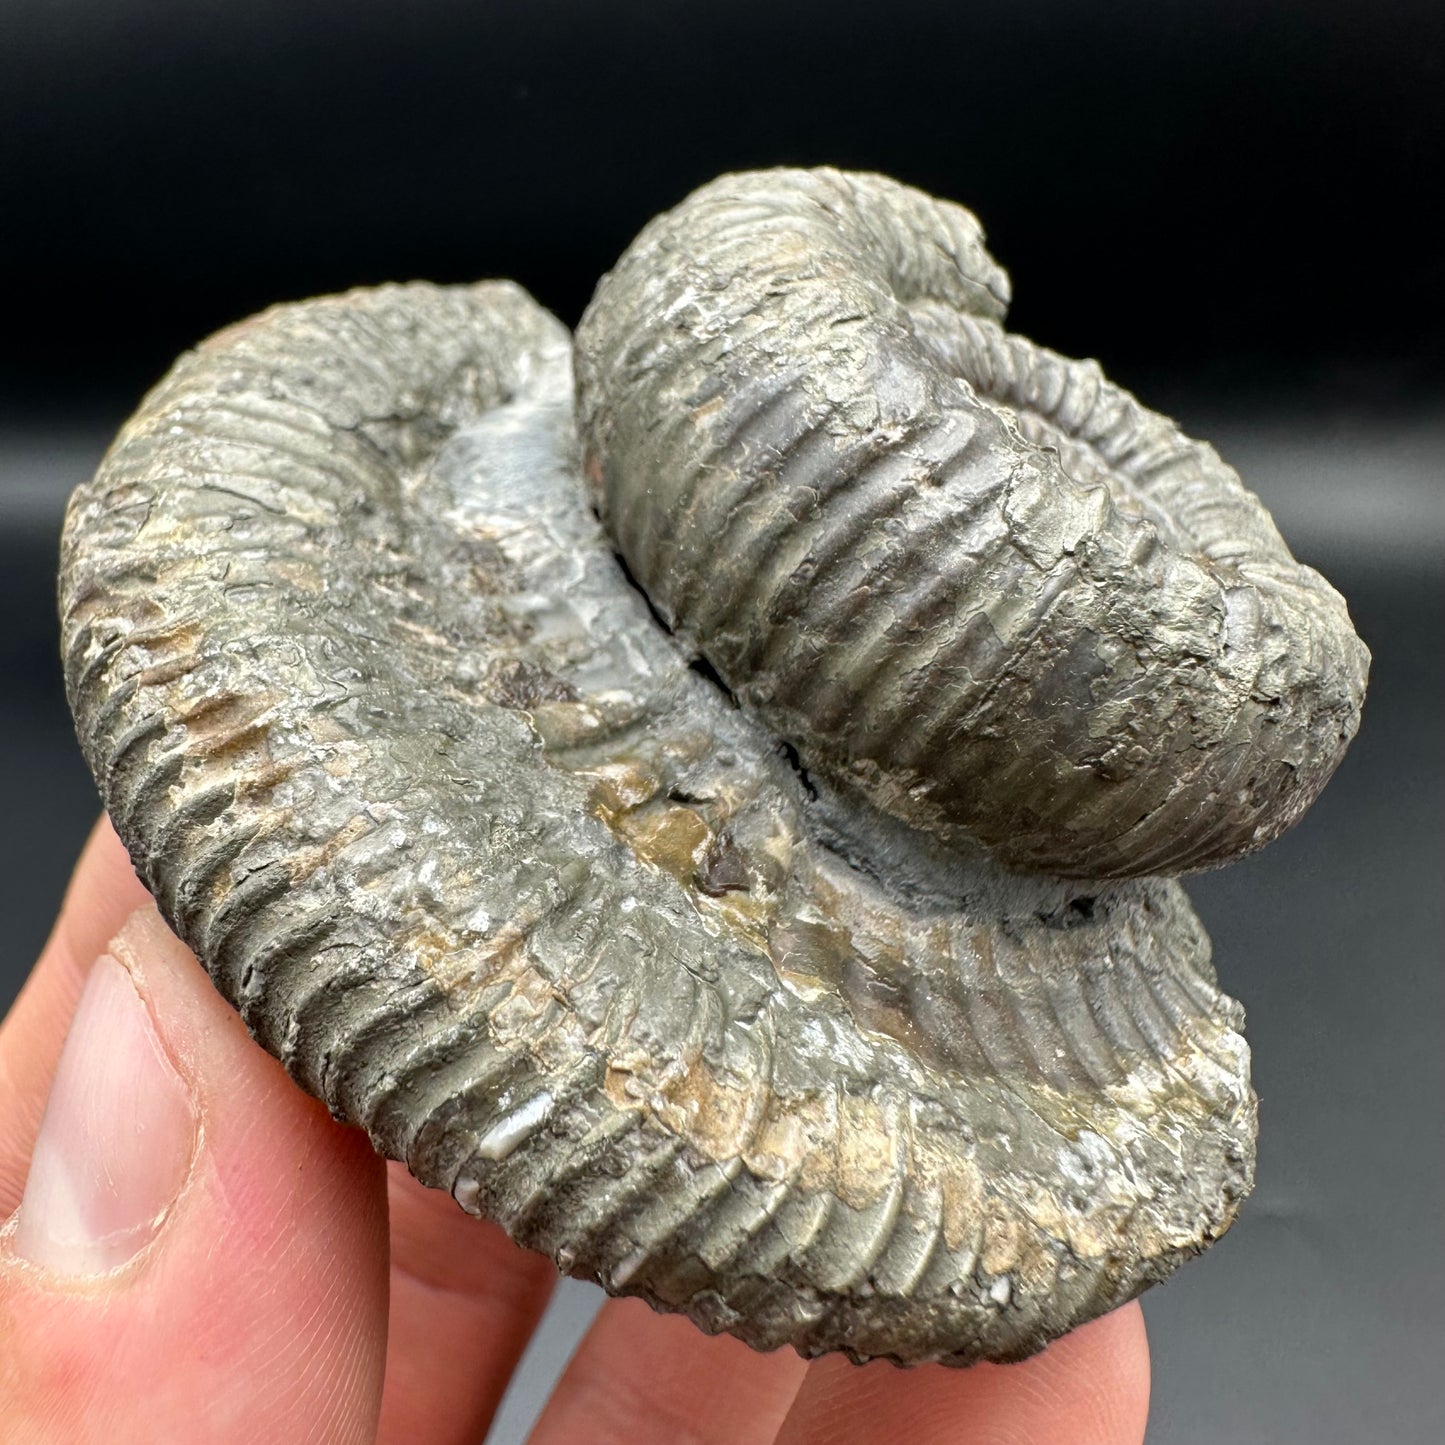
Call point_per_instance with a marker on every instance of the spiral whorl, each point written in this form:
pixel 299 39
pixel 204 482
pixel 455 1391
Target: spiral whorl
pixel 961 575
pixel 498 871
pixel 495 874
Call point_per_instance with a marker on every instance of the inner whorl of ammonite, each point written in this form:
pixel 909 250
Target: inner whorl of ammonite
pixel 667 946
pixel 964 577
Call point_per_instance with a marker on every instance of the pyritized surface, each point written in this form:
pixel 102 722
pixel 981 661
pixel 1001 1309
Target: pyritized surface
pixel 971 580
pixel 500 870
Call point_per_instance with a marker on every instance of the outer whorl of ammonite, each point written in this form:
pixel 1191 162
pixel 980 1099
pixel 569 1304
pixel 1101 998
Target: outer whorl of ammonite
pixel 498 869
pixel 960 574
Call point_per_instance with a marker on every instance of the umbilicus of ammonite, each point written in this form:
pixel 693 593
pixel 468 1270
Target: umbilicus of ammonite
pixel 723 831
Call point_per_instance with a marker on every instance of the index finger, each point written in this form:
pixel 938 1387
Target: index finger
pixel 1089 1388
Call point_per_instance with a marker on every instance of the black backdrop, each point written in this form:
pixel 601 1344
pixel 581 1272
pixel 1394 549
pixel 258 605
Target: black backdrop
pixel 1239 189
pixel 1231 204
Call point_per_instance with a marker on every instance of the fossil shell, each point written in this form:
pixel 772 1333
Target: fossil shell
pixel 962 575
pixel 728 1007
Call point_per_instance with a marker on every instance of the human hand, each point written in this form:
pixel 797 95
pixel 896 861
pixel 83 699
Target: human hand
pixel 202 1253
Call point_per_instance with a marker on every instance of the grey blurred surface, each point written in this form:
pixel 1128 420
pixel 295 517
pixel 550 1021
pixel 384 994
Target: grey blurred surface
pixel 1320 1317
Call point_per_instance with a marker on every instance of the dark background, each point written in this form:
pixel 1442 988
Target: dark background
pixel 1232 205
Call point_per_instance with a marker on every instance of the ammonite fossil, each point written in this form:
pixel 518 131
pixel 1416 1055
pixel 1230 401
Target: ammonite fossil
pixel 725 838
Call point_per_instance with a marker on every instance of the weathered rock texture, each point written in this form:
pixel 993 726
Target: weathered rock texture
pixel 843 1018
pixel 959 572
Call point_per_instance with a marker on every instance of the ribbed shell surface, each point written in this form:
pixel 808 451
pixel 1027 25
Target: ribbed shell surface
pixel 963 576
pixel 500 871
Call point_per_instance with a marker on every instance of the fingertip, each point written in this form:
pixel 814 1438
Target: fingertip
pixel 103 891
pixel 257 1308
pixel 1096 1379
pixel 1090 1387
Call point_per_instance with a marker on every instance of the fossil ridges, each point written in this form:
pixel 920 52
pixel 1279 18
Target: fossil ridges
pixel 505 880
pixel 969 578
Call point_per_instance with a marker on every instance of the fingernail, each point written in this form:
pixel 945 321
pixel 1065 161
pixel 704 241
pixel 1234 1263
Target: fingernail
pixel 116 1141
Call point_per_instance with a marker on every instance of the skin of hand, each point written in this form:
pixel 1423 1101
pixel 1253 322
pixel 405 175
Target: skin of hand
pixel 196 1250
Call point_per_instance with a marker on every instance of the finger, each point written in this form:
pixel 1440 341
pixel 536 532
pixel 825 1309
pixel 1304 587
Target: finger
pixel 103 892
pixel 640 1378
pixel 464 1303
pixel 200 1251
pixel 1089 1388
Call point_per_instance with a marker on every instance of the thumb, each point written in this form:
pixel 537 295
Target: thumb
pixel 200 1252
